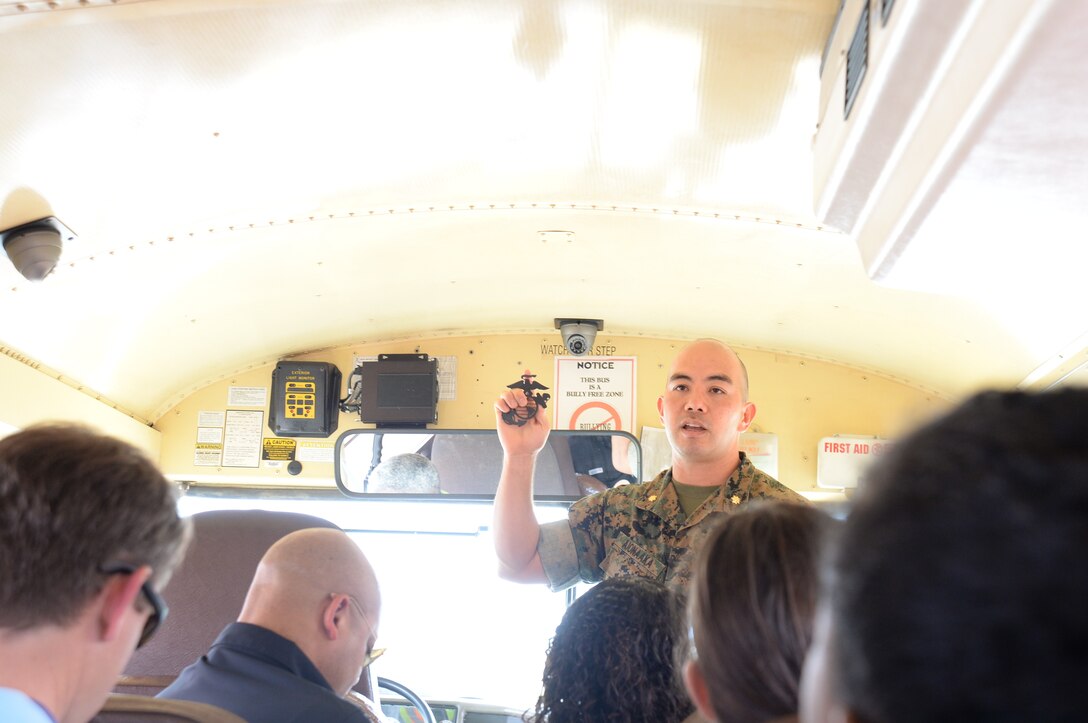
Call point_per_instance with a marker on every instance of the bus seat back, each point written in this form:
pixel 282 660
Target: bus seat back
pixel 472 463
pixel 121 708
pixel 207 590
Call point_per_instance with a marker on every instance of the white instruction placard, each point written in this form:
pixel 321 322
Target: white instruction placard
pixel 247 396
pixel 316 452
pixel 594 393
pixel 242 438
pixel 210 419
pixel 209 434
pixel 447 378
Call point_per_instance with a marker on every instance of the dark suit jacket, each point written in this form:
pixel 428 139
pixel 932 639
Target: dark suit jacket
pixel 264 678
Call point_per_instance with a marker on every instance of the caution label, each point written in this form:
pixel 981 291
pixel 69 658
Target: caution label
pixel 278 449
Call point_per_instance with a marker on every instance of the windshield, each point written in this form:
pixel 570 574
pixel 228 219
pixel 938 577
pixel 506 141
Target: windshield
pixel 451 626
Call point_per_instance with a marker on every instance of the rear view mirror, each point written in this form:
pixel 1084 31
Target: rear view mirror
pixel 466 464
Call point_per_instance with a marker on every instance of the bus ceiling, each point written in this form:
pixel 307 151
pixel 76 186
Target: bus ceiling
pixel 248 182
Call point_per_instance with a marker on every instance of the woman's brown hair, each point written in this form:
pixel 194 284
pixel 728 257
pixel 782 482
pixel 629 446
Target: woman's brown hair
pixel 753 599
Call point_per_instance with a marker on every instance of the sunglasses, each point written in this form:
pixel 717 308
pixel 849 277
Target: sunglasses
pixel 158 605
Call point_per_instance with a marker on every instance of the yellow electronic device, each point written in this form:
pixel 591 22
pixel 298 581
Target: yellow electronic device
pixel 305 398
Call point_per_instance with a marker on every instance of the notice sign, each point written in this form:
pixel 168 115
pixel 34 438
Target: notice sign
pixel 841 462
pixel 594 393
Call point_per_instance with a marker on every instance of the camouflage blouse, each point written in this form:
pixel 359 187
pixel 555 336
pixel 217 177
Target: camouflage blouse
pixel 641 529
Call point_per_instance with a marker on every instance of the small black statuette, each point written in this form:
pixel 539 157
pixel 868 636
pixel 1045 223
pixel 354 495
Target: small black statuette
pixel 521 415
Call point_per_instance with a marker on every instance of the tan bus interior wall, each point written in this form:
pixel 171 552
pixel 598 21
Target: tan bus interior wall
pixel 31 395
pixel 799 399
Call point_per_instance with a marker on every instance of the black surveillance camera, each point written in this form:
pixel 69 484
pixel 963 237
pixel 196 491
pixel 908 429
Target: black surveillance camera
pixel 579 334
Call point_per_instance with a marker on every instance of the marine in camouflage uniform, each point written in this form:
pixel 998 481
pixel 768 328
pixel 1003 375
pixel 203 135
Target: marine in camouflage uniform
pixel 641 529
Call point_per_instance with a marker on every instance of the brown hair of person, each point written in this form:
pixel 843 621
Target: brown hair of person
pixel 71 501
pixel 752 604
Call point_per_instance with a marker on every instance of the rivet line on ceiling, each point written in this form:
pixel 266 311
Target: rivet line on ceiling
pixel 690 213
pixel 74 384
pixel 478 208
pixel 39 6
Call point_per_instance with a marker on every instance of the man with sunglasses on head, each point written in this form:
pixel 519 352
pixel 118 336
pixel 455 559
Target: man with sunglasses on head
pixel 306 632
pixel 89 531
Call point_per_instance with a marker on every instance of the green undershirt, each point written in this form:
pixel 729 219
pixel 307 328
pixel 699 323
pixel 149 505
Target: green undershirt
pixel 691 496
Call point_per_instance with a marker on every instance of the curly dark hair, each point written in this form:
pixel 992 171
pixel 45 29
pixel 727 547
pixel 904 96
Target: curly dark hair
pixel 613 657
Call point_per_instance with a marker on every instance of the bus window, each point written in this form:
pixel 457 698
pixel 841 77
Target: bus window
pixel 451 628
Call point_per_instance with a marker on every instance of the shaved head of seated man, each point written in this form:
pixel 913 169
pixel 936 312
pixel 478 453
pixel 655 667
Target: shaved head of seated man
pixel 305 633
pixel 647 530
pixel 89 533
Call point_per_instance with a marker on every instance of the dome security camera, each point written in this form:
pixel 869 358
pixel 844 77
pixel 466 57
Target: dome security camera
pixel 34 248
pixel 579 334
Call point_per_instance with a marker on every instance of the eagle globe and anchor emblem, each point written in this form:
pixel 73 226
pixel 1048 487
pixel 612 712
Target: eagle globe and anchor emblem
pixel 534 400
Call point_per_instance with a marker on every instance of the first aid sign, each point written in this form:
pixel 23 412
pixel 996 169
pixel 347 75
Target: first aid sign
pixel 841 462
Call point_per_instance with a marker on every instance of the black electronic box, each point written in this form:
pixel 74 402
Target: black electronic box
pixel 399 390
pixel 305 399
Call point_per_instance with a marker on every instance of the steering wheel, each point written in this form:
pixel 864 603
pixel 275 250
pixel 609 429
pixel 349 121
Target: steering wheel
pixel 409 695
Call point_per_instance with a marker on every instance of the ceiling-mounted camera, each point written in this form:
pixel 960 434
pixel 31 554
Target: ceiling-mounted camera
pixel 35 247
pixel 579 334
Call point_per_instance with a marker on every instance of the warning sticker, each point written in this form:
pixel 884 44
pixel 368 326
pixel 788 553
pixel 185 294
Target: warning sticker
pixel 276 449
pixel 315 451
pixel 207 454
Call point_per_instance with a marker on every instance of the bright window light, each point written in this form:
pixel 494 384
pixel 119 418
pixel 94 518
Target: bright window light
pixel 452 628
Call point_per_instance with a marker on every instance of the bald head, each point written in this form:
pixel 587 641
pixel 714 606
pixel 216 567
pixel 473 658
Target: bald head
pixel 716 353
pixel 303 590
pixel 704 410
pixel 301 569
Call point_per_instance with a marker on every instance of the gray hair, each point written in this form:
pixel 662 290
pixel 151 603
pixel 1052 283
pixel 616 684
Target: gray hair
pixel 408 473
